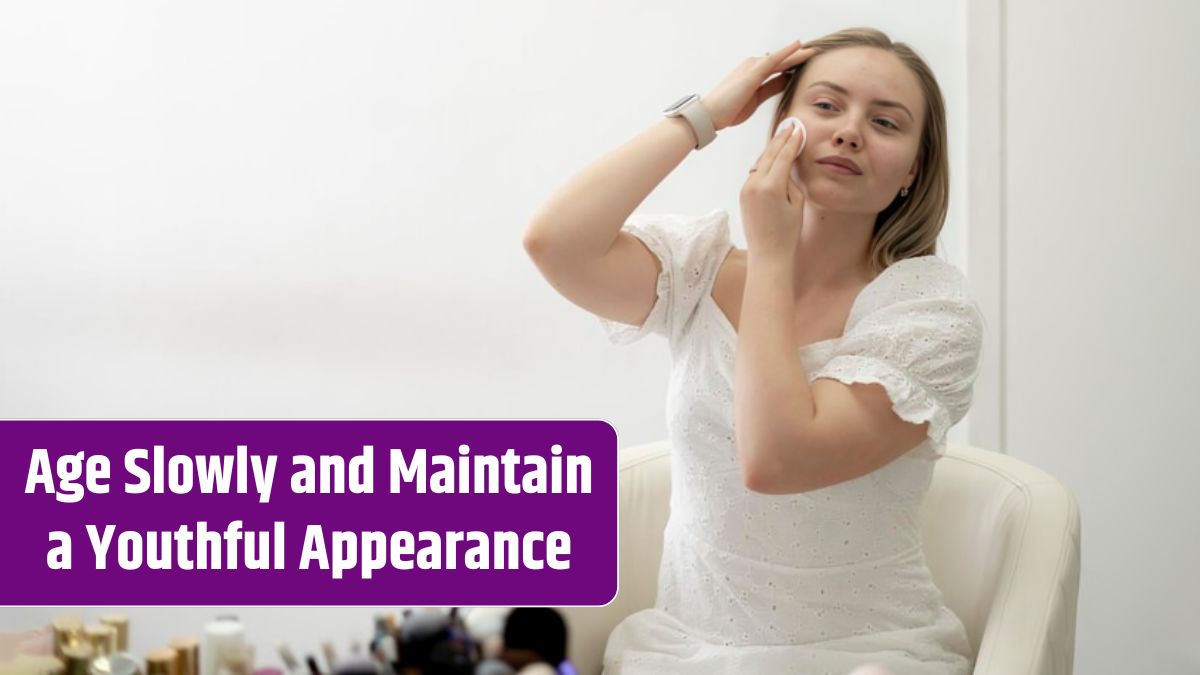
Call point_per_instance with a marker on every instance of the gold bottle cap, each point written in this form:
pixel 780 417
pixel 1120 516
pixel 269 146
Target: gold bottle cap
pixel 188 660
pixel 121 623
pixel 68 630
pixel 67 622
pixel 102 637
pixel 78 657
pixel 162 662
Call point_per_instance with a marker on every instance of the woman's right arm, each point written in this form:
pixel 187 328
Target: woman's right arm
pixel 576 240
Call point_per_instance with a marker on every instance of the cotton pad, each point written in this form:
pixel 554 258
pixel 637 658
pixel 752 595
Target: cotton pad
pixel 795 173
pixel 803 131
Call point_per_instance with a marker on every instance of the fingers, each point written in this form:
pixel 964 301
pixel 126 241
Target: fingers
pixel 773 170
pixel 785 153
pixel 770 88
pixel 771 60
pixel 783 51
pixel 796 57
pixel 763 165
pixel 782 148
pixel 786 57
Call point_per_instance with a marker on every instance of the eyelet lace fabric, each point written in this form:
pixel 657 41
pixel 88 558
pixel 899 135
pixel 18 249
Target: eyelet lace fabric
pixel 816 582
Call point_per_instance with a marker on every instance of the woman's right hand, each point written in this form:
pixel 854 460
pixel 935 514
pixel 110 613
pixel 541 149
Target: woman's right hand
pixel 736 97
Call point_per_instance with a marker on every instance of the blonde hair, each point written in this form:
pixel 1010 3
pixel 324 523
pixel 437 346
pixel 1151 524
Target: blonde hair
pixel 910 225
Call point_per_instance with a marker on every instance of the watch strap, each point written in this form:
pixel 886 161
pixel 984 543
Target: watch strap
pixel 698 119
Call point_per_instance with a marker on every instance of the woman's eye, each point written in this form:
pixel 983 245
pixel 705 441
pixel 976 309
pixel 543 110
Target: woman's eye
pixel 889 125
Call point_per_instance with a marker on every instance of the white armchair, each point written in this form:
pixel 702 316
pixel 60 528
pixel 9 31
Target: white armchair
pixel 1001 539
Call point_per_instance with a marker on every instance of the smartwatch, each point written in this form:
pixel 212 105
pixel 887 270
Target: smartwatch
pixel 690 109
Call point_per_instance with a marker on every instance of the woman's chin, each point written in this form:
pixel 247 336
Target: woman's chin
pixel 835 198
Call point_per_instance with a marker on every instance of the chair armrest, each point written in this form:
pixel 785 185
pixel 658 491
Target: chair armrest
pixel 644 480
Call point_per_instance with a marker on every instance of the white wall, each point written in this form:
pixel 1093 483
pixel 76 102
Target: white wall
pixel 282 209
pixel 1102 309
pixel 303 209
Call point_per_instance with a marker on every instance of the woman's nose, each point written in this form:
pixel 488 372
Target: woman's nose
pixel 848 134
pixel 848 137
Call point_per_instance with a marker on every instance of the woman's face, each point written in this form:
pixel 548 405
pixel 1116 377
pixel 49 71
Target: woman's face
pixel 882 139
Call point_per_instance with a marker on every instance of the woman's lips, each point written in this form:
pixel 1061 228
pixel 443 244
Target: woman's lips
pixel 837 169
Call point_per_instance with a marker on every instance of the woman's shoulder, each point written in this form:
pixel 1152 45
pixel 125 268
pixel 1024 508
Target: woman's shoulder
pixel 931 267
pixel 920 278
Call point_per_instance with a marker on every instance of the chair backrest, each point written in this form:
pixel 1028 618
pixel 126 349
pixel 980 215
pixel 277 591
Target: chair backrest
pixel 1000 536
pixel 1002 541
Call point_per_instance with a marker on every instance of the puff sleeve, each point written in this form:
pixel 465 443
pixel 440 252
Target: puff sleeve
pixel 922 342
pixel 690 250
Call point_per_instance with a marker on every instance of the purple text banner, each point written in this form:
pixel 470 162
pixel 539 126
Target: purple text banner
pixel 308 512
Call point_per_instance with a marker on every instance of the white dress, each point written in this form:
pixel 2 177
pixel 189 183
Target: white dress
pixel 818 582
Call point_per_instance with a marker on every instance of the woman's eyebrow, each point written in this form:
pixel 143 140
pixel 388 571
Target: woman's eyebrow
pixel 839 88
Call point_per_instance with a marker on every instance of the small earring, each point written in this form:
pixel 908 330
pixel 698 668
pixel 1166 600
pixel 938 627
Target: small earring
pixel 904 192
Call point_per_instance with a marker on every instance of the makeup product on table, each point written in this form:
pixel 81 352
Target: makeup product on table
pixel 533 634
pixel 236 660
pixel 102 638
pixel 424 624
pixel 123 664
pixel 289 658
pixel 68 630
pixel 494 667
pixel 330 655
pixel 224 643
pixel 161 662
pixel 383 643
pixel 118 663
pixel 485 625
pixel 188 655
pixel 362 666
pixel 120 623
pixel 78 657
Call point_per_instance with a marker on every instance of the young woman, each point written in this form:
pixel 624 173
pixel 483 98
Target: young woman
pixel 814 374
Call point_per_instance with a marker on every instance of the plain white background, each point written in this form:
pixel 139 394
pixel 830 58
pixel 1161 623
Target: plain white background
pixel 302 209
pixel 316 209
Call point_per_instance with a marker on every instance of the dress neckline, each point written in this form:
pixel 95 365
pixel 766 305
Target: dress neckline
pixel 732 332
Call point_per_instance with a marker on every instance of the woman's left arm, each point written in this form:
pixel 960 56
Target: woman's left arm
pixel 773 403
pixel 791 436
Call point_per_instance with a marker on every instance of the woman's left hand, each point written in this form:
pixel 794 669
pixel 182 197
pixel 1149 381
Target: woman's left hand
pixel 772 205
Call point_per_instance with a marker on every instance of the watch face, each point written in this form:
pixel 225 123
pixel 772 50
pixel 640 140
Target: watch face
pixel 679 104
